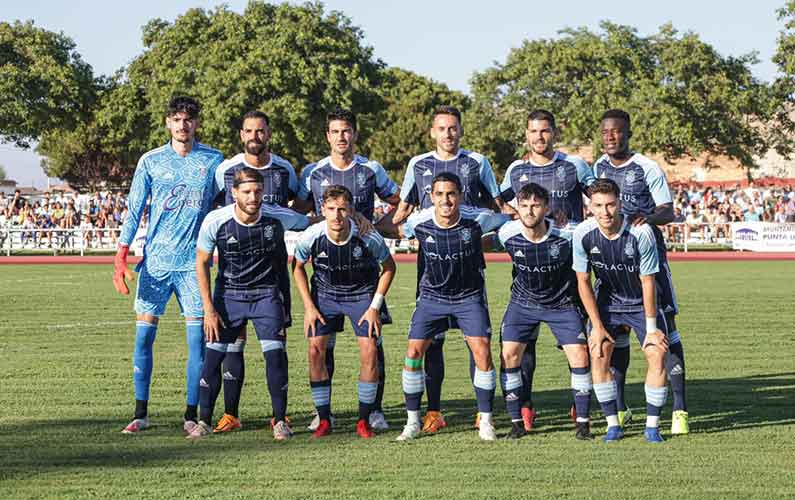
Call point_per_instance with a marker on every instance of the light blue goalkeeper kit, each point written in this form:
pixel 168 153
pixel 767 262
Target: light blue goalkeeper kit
pixel 176 193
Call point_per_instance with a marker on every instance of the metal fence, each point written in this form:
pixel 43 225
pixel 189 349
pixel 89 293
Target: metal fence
pixel 679 236
pixel 58 240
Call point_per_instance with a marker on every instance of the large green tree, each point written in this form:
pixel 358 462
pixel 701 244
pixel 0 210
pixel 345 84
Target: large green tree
pixel 782 129
pixel 44 84
pixel 401 129
pixel 685 98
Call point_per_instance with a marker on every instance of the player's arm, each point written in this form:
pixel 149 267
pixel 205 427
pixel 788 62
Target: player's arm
pixel 598 334
pixel 661 194
pixel 205 244
pixel 402 212
pixel 649 266
pixel 303 198
pixel 311 314
pixel 662 215
pixel 373 313
pixel 212 322
pixel 136 204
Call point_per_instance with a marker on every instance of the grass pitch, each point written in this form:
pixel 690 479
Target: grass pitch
pixel 65 365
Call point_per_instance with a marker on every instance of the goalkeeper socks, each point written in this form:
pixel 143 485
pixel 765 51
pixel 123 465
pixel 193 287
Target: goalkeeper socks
pixel 434 374
pixel 143 359
pixel 141 408
pixel 528 370
pixel 194 334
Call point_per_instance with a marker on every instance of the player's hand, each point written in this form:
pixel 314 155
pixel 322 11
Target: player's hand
pixel 560 218
pixel 596 339
pixel 121 271
pixel 637 220
pixel 364 225
pixel 311 317
pixel 212 326
pixel 656 339
pixel 373 318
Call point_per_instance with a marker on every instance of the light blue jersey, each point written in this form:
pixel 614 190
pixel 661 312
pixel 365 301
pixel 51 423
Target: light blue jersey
pixel 180 191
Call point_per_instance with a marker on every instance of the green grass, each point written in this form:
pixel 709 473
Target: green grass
pixel 65 373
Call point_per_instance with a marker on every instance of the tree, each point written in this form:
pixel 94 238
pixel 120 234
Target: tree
pixel 400 129
pixel 293 62
pixel 685 98
pixel 44 84
pixel 782 130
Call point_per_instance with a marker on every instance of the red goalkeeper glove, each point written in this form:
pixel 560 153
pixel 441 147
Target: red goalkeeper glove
pixel 121 271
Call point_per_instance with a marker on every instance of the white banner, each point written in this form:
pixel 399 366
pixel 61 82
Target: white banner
pixel 763 236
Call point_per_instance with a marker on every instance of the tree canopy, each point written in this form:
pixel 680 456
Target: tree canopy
pixel 684 98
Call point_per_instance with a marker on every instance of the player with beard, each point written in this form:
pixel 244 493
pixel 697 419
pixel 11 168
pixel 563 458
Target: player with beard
pixel 543 290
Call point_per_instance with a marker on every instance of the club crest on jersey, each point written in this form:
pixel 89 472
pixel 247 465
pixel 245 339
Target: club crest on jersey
pixel 464 170
pixel 466 235
pixel 361 179
pixel 630 177
pixel 202 171
pixel 561 173
pixel 277 180
pixel 267 231
pixel 629 249
pixel 357 252
pixel 554 251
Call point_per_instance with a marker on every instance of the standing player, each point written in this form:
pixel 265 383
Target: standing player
pixel 364 179
pixel 346 282
pixel 543 289
pixel 624 259
pixel 479 189
pixel 451 287
pixel 178 181
pixel 249 236
pixel 566 177
pixel 645 198
pixel 280 185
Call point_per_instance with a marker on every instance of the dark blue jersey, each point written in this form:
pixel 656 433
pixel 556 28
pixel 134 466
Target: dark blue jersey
pixel 565 177
pixel 474 170
pixel 452 259
pixel 542 274
pixel 642 183
pixel 343 272
pixel 251 257
pixel 617 262
pixel 280 182
pixel 364 178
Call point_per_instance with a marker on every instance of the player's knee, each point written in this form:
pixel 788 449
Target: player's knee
pixel 317 354
pixel 510 358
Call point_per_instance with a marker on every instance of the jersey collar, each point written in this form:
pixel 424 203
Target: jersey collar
pixel 624 224
pixel 433 216
pixel 555 157
pixel 626 163
pixel 545 237
pixel 348 239
pixel 457 155
pixel 234 215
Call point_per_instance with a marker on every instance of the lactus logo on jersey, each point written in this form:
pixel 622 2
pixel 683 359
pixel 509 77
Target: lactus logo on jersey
pixel 182 196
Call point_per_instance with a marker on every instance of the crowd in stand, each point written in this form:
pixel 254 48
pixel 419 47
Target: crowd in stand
pixel 707 212
pixel 47 219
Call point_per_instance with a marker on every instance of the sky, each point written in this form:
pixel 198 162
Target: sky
pixel 446 41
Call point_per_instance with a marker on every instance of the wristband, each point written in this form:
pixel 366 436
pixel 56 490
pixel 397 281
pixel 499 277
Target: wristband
pixel 378 301
pixel 651 325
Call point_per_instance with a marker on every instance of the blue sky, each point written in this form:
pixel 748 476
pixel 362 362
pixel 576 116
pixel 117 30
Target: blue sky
pixel 446 41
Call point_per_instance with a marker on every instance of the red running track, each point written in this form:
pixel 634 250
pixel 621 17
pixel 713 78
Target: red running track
pixel 490 257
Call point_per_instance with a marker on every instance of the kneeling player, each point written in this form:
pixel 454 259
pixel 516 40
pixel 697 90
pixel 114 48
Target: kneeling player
pixel 346 281
pixel 624 259
pixel 543 289
pixel 451 287
pixel 251 252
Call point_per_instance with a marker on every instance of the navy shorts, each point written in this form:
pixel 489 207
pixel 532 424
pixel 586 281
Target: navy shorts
pixel 432 318
pixel 265 313
pixel 520 324
pixel 634 320
pixel 335 311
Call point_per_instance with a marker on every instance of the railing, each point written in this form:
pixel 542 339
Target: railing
pixel 58 240
pixel 677 235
